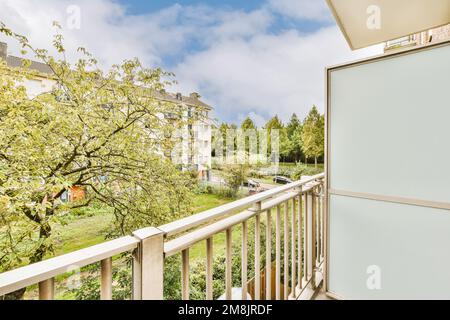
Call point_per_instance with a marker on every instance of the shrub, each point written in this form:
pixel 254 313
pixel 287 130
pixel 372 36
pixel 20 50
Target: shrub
pixel 303 170
pixel 89 288
pixel 235 176
pixel 256 174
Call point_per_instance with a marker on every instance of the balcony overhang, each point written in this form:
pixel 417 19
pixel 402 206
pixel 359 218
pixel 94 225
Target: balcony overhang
pixel 368 22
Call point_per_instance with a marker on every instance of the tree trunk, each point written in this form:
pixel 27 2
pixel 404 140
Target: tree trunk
pixel 44 233
pixel 38 255
pixel 315 162
pixel 16 295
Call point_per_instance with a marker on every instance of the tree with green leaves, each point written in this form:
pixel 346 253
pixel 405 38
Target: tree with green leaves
pixel 274 124
pixel 102 131
pixel 248 128
pixel 294 145
pixel 234 176
pixel 293 125
pixel 313 135
pixel 248 124
pixel 219 140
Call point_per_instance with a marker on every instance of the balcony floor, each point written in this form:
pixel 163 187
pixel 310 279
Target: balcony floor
pixel 321 296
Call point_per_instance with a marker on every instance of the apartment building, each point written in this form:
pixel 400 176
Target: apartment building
pixel 196 136
pixel 194 149
pixel 418 39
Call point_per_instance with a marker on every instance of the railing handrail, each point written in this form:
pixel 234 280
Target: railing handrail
pixel 22 277
pixel 197 219
pixel 187 240
pixel 19 278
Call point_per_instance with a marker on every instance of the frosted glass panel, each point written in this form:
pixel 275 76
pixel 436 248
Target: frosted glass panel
pixel 390 135
pixel 409 244
pixel 390 126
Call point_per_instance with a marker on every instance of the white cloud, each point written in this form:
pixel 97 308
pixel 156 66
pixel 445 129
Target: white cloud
pixel 238 24
pixel 302 9
pixel 268 74
pixel 106 29
pixel 237 64
pixel 258 120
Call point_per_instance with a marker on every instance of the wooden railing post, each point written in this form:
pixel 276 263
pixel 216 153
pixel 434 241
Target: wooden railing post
pixel 257 208
pixel 47 289
pixel 148 265
pixel 106 279
pixel 311 237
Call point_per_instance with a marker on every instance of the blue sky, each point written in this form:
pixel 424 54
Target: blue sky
pixel 278 24
pixel 245 58
pixel 139 6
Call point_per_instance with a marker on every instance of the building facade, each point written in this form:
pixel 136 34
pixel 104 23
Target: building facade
pixel 194 148
pixel 418 39
pixel 195 136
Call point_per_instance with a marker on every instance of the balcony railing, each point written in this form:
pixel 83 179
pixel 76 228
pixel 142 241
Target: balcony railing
pixel 291 218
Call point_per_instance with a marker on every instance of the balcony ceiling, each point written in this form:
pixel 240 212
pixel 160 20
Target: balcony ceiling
pixel 398 18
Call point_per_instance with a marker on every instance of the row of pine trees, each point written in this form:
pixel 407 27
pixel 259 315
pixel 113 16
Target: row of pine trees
pixel 300 141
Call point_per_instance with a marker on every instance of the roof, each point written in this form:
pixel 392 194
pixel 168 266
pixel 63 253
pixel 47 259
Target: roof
pixel 17 62
pixel 368 22
pixel 193 100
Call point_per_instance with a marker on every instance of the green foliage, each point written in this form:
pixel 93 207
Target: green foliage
pixel 293 125
pixel 274 124
pixel 234 176
pixel 248 128
pixel 223 191
pixel 248 124
pixel 313 135
pixel 89 287
pixel 303 170
pixel 297 141
pixel 99 130
pixel 294 144
pixel 172 278
pixel 254 173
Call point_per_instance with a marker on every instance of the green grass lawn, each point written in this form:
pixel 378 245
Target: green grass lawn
pixel 204 202
pixel 86 231
pixel 91 229
pixel 82 232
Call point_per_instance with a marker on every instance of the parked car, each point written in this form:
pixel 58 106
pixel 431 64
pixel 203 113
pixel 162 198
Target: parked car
pixel 282 180
pixel 251 183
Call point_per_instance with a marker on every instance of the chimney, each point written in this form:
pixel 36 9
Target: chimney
pixel 3 50
pixel 194 95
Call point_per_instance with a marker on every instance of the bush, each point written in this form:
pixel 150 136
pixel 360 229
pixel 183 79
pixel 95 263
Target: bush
pixel 223 191
pixel 285 171
pixel 89 288
pixel 235 176
pixel 303 170
pixel 94 209
pixel 256 174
